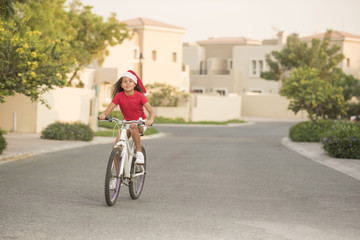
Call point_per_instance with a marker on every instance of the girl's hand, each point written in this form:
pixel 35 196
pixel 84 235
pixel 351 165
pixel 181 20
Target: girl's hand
pixel 102 116
pixel 149 123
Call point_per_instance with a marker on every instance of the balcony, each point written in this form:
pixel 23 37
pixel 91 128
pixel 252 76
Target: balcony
pixel 214 66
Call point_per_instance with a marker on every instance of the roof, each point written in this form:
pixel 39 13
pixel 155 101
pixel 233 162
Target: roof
pixel 141 22
pixel 230 41
pixel 334 35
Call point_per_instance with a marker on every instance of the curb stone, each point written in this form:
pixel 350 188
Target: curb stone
pixel 314 151
pixel 13 156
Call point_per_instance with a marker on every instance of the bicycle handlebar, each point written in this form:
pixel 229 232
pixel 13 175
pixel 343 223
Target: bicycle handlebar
pixel 111 119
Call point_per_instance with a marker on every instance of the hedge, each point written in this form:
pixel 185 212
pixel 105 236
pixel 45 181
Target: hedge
pixel 342 140
pixel 68 131
pixel 308 131
pixel 3 143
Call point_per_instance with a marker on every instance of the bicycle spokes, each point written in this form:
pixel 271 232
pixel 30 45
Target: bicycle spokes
pixel 112 178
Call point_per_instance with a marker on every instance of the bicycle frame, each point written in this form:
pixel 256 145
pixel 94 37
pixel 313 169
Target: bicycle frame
pixel 127 150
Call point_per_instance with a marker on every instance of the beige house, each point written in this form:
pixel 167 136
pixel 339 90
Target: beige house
pixel 350 47
pixel 154 52
pixel 232 66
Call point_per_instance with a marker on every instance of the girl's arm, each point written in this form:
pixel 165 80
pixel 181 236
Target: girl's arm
pixel 107 111
pixel 149 109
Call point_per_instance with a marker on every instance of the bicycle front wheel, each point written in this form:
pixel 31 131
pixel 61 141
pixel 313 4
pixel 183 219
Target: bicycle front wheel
pixel 112 178
pixel 136 184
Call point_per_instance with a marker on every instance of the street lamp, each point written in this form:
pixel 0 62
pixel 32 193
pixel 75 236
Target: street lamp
pixel 140 63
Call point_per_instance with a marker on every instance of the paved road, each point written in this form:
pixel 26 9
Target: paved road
pixel 203 183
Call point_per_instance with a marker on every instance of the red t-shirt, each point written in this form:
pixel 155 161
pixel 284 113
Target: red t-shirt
pixel 131 106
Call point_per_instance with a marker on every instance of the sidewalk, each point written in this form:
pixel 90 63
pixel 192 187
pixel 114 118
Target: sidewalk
pixel 314 151
pixel 29 144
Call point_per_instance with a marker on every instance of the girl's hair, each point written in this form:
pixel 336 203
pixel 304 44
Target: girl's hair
pixel 117 88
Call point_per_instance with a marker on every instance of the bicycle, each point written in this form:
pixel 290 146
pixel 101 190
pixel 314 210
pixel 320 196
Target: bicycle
pixel 121 168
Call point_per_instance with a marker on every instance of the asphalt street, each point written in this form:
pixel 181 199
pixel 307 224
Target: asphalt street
pixel 235 182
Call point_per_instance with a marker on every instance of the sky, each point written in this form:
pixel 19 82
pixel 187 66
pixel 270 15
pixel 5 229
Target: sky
pixel 255 19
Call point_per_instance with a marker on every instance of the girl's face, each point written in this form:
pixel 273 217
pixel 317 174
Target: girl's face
pixel 128 84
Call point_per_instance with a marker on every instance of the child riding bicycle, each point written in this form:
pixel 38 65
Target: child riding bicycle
pixel 129 93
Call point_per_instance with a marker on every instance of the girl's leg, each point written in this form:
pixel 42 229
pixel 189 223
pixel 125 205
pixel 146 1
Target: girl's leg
pixel 135 134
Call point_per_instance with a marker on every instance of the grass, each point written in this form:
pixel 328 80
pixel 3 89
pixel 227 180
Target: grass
pixel 111 133
pixel 175 121
pixel 158 120
pixel 182 121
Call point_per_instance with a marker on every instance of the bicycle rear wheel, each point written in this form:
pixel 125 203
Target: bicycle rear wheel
pixel 112 180
pixel 136 184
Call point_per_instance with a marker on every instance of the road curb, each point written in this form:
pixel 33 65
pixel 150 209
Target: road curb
pixel 76 144
pixel 314 152
pixel 205 125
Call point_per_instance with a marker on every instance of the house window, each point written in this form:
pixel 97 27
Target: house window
pixel 174 56
pixel 348 62
pixel 197 90
pixel 220 91
pixel 153 55
pixel 256 67
pixel 230 64
pixel 202 68
pixel 261 65
pixel 253 67
pixel 107 91
pixel 136 54
pixel 255 91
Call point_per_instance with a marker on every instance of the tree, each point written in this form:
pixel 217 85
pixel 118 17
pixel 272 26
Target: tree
pixel 349 83
pixel 46 16
pixel 6 9
pixel 281 63
pixel 320 55
pixel 294 63
pixel 30 65
pixel 92 35
pixel 88 35
pixel 317 96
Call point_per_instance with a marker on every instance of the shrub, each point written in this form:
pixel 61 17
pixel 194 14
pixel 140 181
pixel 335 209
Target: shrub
pixel 342 140
pixel 3 143
pixel 308 131
pixel 161 94
pixel 68 131
pixel 354 110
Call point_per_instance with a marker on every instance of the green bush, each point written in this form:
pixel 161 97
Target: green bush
pixel 3 143
pixel 354 110
pixel 308 131
pixel 68 131
pixel 342 140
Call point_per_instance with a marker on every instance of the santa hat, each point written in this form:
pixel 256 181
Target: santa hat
pixel 132 75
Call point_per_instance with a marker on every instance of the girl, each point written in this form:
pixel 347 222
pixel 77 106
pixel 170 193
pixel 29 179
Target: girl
pixel 129 94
